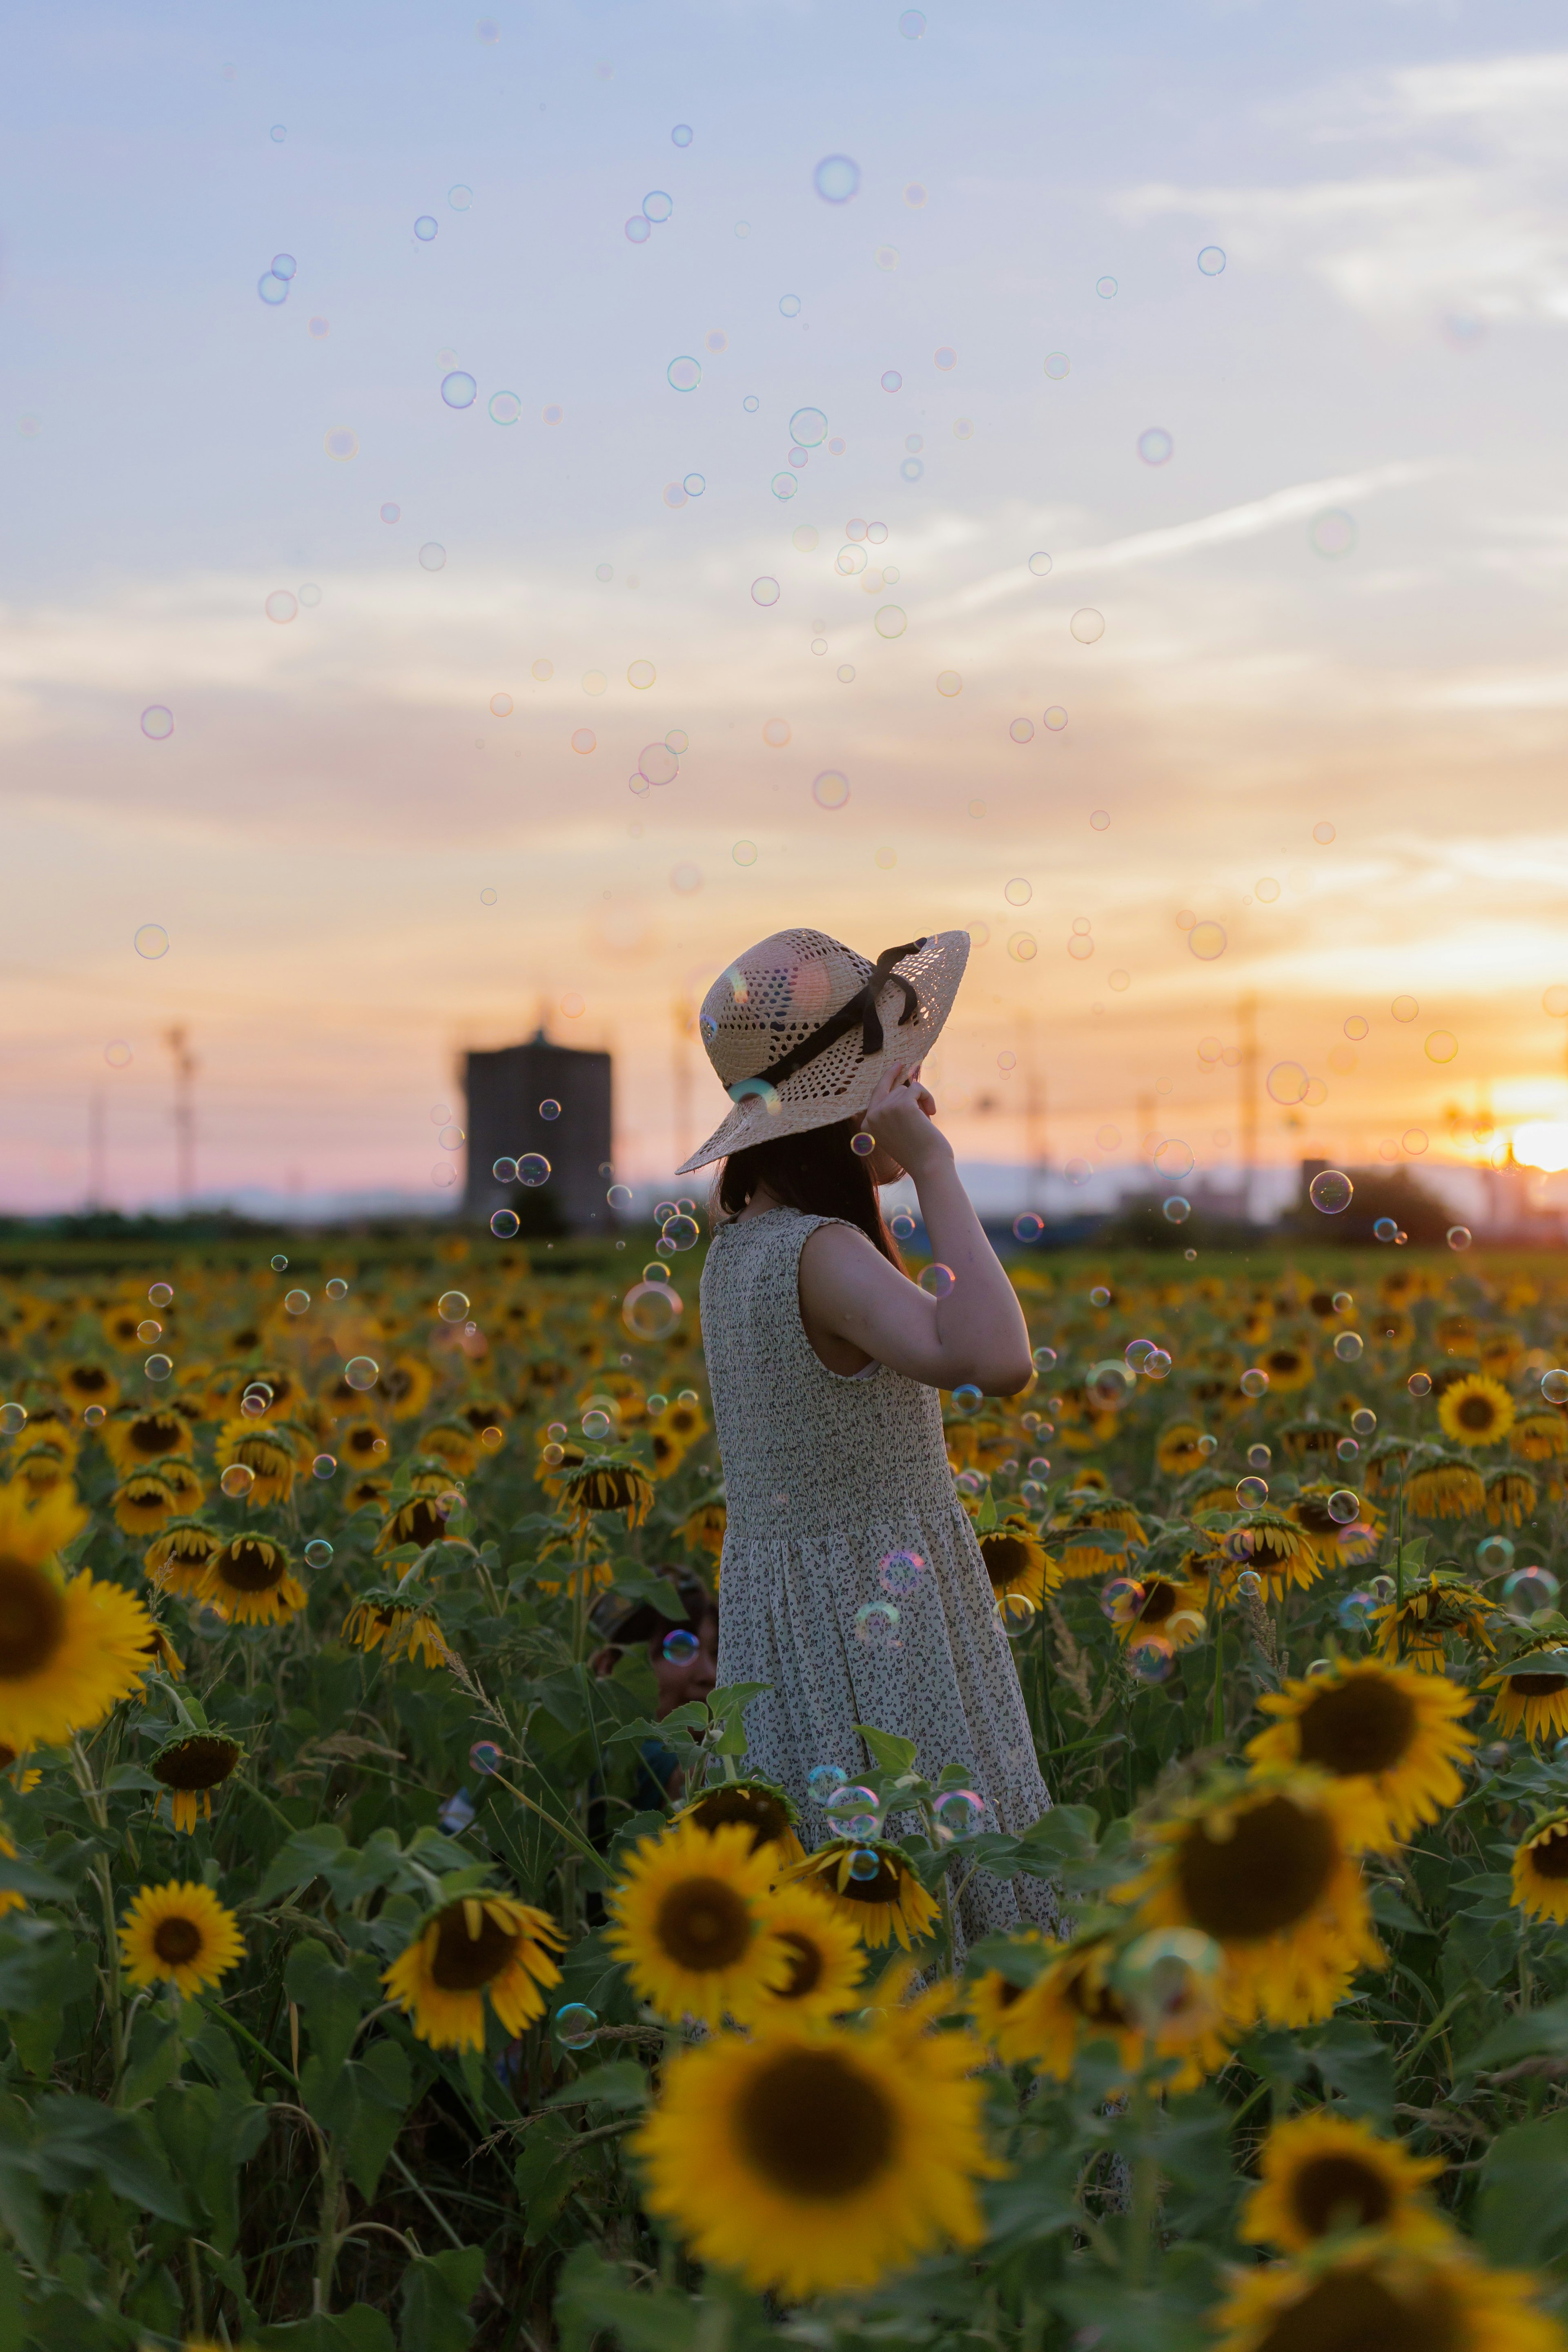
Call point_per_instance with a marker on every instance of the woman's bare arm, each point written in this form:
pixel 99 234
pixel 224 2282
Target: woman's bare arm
pixel 848 1289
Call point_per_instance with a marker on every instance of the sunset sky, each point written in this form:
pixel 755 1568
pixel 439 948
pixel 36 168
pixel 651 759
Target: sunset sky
pixel 1315 491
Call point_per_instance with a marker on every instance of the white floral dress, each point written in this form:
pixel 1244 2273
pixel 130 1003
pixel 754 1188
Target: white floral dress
pixel 826 1475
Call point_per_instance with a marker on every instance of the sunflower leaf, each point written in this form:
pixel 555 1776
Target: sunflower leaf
pixel 887 1750
pixel 437 2292
pixel 1521 2216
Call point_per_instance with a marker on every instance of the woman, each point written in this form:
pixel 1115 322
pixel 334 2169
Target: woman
pixel 851 1578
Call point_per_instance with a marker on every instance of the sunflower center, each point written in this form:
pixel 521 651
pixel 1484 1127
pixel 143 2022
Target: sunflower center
pixel 1476 1412
pixel 250 1565
pixel 814 2126
pixel 883 1888
pixel 463 1963
pixel 1312 1513
pixel 1159 1603
pixel 1364 1724
pixel 1350 2311
pixel 1096 2002
pixel 1330 2191
pixel 703 1924
pixel 89 1380
pixel 32 1619
pixel 763 1815
pixel 805 1965
pixel 1005 1557
pixel 1264 1877
pixel 196 1763
pixel 1550 1858
pixel 1538 1686
pixel 425 1521
pixel 176 1940
pixel 154 1434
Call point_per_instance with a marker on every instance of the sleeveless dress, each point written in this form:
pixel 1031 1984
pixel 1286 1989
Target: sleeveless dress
pixel 825 1475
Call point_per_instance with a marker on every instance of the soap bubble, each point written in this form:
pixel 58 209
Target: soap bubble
pixel 151 940
pixel 157 723
pixel 1333 532
pixel 1352 1610
pixel 1419 1384
pixel 324 1466
pixel 958 1811
pixel 1039 563
pixel 808 427
pixel 485 1757
pixel 937 1280
pixel 1028 1227
pixel 1155 445
pixel 656 206
pixel 1253 1382
pixel 1363 1421
pixel 1348 1346
pixel 891 621
pixel 892 381
pixel 1177 1210
pixel 1206 941
pixel 1494 1554
pixel 899 1573
pixel 452 1306
pixel 1286 1083
pixel 1211 260
pixel 1251 1492
pixel 1331 1191
pixel 432 556
pixel 504 1224
pixel 1555 1387
pixel 1153 1661
pixel 318 1552
pixel 532 1170
pixel 1249 1584
pixel 237 1480
pixel 1016 1609
pixel 837 179
pixel 1175 1159
pixel 458 388
pixel 650 1310
pixel 1343 1507
pixel 361 1372
pixel 680 1647
pixel 830 790
pixel 911 24
pixel 272 288
pixel 685 374
pixel 1122 1599
pixel 1530 1588
pixel 823 1779
pixel 1459 1237
pixel 657 764
pixel 158 1368
pixel 764 591
pixel 505 407
pixel 576 2025
pixel 1384 1228
pixel 864 1864
pixel 281 606
pixel 1087 626
pixel 1170 1979
pixel 296 1302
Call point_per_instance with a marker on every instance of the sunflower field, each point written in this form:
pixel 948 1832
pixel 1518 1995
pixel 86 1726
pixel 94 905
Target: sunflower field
pixel 387 1966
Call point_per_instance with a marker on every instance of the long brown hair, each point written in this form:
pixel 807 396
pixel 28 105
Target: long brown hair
pixel 816 1172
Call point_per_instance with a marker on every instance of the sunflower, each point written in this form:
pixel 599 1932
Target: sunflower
pixel 1208 1493
pixel 380 1621
pixel 144 1503
pixel 68 1652
pixel 813 2160
pixel 484 1412
pixel 682 1421
pixel 420 1520
pixel 825 1960
pixel 86 1384
pixel 181 1933
pixel 453 1444
pixel 360 1442
pixel 668 1454
pixel 609 1487
pixel 41 1468
pixel 1373 2291
pixel 692 1925
pixel 1476 1411
pixel 1170 1610
pixel 1540 1435
pixel 1267 1868
pixel 366 1493
pixel 483 1944
pixel 1095 1537
pixel 269 1452
pixel 1017 1561
pixel 1383 1468
pixel 134 1440
pixel 1501 1352
pixel 1510 1497
pixel 1310 1440
pixel 54 1426
pixel 248 1580
pixel 176 1560
pixel 1320 2173
pixel 159 1651
pixel 890 1902
pixel 1445 1487
pixel 409 1382
pixel 1328 1536
pixel 1179 1449
pixel 1533 1690
pixel 764 1809
pixel 998 2003
pixel 703 1529
pixel 1274 1548
pixel 190 1768
pixel 1394 1732
pixel 1442 1605
pixel 1289 1366
pixel 1540 1869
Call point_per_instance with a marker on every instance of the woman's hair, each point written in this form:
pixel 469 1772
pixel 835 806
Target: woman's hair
pixel 816 1172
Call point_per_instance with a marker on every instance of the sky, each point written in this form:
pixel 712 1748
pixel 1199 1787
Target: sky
pixel 1249 318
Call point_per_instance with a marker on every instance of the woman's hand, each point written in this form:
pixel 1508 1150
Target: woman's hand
pixel 899 1119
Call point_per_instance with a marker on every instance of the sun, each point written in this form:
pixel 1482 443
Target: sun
pixel 813 2161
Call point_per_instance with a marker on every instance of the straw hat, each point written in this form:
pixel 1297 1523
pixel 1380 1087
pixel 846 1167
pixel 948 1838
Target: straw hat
pixel 800 1029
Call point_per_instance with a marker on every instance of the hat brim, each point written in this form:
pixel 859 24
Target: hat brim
pixel 800 1104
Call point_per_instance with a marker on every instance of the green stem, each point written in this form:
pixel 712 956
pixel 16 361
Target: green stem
pixel 327 2241
pixel 1145 2190
pixel 1216 1722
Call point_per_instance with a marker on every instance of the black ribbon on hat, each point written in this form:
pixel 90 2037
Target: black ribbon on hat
pixel 861 1010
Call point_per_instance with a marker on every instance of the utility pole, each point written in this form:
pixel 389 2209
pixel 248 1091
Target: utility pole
pixel 681 1015
pixel 186 1067
pixel 97 1180
pixel 1247 1016
pixel 1033 1117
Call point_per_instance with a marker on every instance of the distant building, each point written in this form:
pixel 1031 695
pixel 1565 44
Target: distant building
pixel 504 1091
